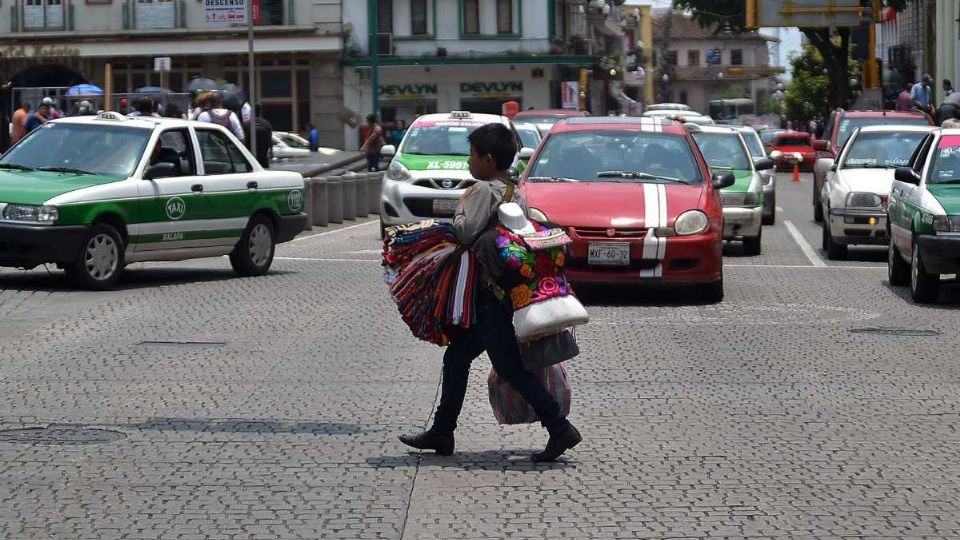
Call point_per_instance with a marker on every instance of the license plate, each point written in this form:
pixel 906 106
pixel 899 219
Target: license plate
pixel 444 206
pixel 609 253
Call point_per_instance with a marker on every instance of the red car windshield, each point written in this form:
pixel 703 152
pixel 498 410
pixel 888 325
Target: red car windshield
pixel 847 125
pixel 581 156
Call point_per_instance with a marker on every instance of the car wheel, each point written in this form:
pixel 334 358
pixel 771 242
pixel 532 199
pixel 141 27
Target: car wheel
pixel 710 293
pixel 253 255
pixel 817 204
pixel 769 220
pixel 100 262
pixel 383 230
pixel 923 286
pixel 751 244
pixel 898 271
pixel 835 251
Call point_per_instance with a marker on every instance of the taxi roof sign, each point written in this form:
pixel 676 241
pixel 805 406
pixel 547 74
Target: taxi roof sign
pixel 460 114
pixel 111 115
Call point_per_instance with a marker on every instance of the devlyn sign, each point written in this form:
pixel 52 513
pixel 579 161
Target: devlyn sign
pixel 408 91
pixel 492 89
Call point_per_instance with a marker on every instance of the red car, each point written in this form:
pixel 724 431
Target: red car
pixel 636 197
pixel 790 144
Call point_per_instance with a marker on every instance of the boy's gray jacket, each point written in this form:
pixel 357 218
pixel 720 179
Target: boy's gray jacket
pixel 477 210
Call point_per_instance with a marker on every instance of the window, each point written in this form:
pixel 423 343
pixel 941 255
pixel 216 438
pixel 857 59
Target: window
pixel 155 14
pixel 471 16
pixel 693 58
pixel 736 57
pixel 271 13
pixel 504 16
pixel 43 14
pixel 418 17
pixel 219 155
pixel 671 58
pixel 175 148
pixel 384 16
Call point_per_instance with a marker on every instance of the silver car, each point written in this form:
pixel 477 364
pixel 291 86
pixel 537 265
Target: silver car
pixel 769 176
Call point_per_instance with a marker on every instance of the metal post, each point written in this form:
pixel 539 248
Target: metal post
pixel 374 57
pixel 252 80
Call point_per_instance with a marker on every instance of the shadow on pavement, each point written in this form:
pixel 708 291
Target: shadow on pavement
pixel 248 425
pixel 651 294
pixel 948 299
pixel 488 460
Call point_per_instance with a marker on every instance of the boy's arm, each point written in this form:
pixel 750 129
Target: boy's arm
pixel 473 213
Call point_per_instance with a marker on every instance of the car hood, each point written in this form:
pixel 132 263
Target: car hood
pixel 36 187
pixel 742 181
pixel 948 196
pixel 433 163
pixel 876 181
pixel 606 204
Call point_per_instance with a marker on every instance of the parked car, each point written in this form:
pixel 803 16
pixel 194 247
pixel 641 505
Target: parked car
pixel 724 150
pixel 289 145
pixel 924 216
pixel 839 126
pixel 530 137
pixel 858 185
pixel 546 118
pixel 93 194
pixel 795 147
pixel 637 199
pixel 766 136
pixel 429 170
pixel 768 176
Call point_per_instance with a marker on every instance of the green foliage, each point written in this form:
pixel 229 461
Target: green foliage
pixel 808 93
pixel 733 91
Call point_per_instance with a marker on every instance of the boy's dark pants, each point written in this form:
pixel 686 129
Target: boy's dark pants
pixel 493 332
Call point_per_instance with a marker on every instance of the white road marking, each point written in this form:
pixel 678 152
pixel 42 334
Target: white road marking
pixel 804 266
pixel 335 231
pixel 312 259
pixel 804 245
pixel 363 251
pixel 779 209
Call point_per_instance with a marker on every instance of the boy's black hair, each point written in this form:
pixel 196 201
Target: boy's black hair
pixel 498 141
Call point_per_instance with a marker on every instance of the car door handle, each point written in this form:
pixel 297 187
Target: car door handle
pixel 196 188
pixel 252 184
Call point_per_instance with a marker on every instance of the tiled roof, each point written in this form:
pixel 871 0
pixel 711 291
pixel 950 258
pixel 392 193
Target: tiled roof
pixel 684 27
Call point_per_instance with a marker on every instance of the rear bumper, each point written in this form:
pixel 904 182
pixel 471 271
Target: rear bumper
pixel 289 227
pixel 739 221
pixel 941 254
pixel 686 260
pixel 26 246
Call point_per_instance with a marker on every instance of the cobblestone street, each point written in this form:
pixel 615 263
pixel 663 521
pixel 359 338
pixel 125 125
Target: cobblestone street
pixel 814 401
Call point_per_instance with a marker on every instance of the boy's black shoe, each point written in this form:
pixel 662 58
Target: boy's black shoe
pixel 559 444
pixel 442 443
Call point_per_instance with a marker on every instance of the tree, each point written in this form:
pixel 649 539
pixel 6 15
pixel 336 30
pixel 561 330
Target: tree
pixel 809 90
pixel 833 44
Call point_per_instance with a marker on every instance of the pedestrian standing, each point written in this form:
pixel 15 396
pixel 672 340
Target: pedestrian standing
pixel 264 136
pixel 947 87
pixel 492 151
pixel 42 116
pixel 20 122
pixel 904 99
pixel 313 136
pixel 372 145
pixel 399 130
pixel 216 114
pixel 922 94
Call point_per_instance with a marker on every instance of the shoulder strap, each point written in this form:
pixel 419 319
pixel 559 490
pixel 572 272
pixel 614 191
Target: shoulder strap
pixel 508 195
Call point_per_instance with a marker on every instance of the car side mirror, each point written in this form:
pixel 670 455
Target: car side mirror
pixel 833 166
pixel 388 150
pixel 776 154
pixel 526 153
pixel 160 170
pixel 513 173
pixel 906 175
pixel 763 164
pixel 722 180
pixel 821 145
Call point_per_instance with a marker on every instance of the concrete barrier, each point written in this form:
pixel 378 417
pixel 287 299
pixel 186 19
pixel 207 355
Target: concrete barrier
pixel 318 202
pixel 335 199
pixel 308 202
pixel 360 184
pixel 373 193
pixel 349 197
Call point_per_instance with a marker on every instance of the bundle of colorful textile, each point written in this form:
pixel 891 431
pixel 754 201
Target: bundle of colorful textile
pixel 431 279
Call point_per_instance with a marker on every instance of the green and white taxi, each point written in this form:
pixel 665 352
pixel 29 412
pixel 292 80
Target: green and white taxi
pixel 429 171
pixel 92 194
pixel 725 151
pixel 924 216
pixel 857 186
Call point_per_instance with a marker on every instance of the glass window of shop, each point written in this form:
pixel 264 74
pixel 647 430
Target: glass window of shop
pixel 283 92
pixel 135 74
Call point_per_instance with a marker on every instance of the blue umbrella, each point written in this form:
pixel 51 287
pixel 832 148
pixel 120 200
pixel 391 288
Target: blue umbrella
pixel 84 90
pixel 152 90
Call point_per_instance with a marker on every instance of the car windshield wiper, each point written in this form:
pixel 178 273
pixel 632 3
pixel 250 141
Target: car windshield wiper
pixel 16 166
pixel 638 175
pixel 721 167
pixel 551 179
pixel 868 166
pixel 64 170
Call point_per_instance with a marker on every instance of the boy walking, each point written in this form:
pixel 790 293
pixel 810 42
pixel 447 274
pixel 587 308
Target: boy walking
pixel 492 150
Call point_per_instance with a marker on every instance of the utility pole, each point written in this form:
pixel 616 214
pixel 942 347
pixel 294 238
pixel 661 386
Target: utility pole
pixel 252 79
pixel 374 56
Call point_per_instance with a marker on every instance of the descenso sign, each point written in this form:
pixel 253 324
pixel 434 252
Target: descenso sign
pixel 229 11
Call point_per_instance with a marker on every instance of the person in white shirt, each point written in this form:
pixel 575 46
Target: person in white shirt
pixel 216 114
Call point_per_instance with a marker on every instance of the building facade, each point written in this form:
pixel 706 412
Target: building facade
pixel 442 55
pixel 60 43
pixel 696 65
